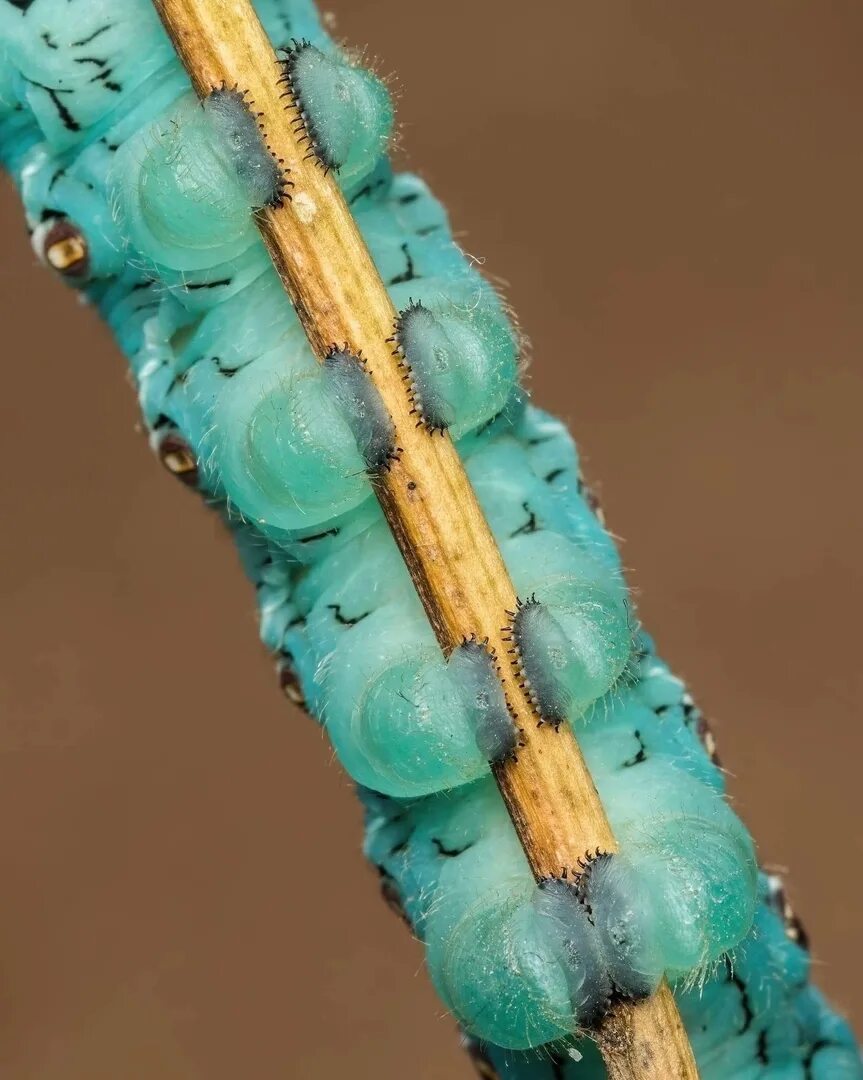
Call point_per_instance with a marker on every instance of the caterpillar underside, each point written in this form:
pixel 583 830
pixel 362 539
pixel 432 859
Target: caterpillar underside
pixel 143 200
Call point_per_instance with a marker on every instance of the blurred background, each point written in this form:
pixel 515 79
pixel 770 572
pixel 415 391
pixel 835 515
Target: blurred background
pixel 671 193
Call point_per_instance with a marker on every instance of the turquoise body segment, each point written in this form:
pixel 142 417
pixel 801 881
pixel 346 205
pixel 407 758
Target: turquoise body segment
pixel 344 111
pixel 460 363
pixel 142 198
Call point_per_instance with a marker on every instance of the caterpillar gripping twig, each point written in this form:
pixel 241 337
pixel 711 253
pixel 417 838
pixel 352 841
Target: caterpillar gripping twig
pixel 530 938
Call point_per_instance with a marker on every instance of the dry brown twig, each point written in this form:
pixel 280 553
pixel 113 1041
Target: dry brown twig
pixel 426 497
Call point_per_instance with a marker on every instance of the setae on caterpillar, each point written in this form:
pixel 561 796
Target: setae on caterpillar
pixel 236 402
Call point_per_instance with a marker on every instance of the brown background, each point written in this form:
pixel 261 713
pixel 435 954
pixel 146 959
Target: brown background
pixel 672 192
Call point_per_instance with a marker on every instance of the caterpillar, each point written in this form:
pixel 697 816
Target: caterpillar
pixel 143 199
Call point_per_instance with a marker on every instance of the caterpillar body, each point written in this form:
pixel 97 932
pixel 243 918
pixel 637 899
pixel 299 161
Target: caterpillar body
pixel 143 199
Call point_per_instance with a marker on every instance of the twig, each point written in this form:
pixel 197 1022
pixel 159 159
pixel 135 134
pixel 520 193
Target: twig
pixel 426 497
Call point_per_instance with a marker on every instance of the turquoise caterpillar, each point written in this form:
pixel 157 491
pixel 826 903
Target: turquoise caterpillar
pixel 142 199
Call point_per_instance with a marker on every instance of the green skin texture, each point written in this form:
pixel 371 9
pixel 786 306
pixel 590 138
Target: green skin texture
pixel 99 129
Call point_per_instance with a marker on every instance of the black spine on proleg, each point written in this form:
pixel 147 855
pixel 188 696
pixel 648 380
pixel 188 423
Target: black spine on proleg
pixel 474 668
pixel 531 635
pixel 295 55
pixel 610 891
pixel 362 407
pixel 416 341
pixel 565 920
pixel 263 173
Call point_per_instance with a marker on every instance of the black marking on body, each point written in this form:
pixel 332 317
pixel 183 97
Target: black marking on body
pixel 228 372
pixel 410 271
pixel 638 757
pixel 91 37
pixel 66 118
pixel 549 478
pixel 367 190
pixel 22 5
pixel 345 620
pixel 179 380
pixel 59 173
pixel 110 84
pixel 735 980
pixel 530 526
pixel 819 1044
pixel 193 286
pixel 46 37
pixel 318 536
pixel 449 853
pixel 149 300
